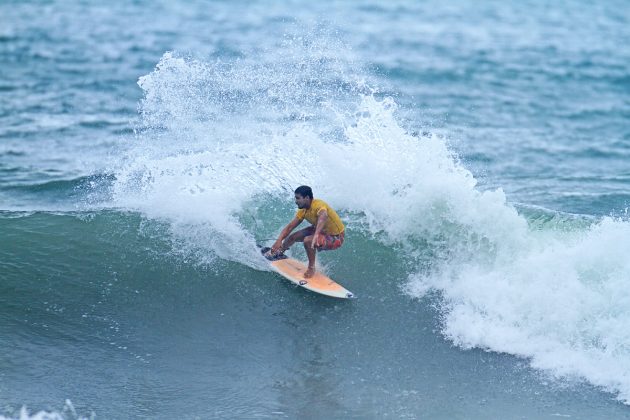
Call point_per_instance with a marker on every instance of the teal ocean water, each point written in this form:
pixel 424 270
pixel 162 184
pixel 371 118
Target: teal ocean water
pixel 478 153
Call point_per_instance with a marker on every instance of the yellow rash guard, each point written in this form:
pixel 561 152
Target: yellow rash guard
pixel 333 226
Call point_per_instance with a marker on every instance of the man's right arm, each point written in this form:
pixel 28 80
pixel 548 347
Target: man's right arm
pixel 285 232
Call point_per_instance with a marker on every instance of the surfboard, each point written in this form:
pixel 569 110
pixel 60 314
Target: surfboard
pixel 293 270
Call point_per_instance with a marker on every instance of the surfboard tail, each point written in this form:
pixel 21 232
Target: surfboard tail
pixel 266 252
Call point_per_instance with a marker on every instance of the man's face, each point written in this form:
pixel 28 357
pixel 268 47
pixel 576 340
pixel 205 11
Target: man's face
pixel 302 202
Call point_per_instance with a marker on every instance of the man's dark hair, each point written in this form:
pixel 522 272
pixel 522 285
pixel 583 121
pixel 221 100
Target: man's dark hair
pixel 304 191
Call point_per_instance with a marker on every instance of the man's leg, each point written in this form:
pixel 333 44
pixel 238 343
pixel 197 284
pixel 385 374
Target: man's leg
pixel 329 243
pixel 311 253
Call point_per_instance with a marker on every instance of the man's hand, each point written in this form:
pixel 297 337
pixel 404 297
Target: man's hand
pixel 315 241
pixel 276 247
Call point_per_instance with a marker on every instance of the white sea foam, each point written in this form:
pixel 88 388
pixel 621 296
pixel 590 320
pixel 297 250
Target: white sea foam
pixel 215 135
pixel 562 301
pixel 218 135
pixel 68 412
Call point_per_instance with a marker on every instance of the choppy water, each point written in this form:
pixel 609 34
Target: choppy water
pixel 477 152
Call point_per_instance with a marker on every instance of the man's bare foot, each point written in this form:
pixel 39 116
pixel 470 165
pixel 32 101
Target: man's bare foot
pixel 309 272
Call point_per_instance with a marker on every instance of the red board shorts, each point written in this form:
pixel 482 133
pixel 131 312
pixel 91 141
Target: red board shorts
pixel 326 242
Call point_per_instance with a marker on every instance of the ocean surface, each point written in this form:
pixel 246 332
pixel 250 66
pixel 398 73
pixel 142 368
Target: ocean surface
pixel 478 152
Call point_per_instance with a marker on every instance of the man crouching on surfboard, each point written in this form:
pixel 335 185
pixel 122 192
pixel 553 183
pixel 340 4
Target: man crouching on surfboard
pixel 325 233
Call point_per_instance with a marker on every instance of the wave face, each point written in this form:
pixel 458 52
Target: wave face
pixel 223 145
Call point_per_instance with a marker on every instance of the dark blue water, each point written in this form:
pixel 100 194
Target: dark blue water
pixel 476 152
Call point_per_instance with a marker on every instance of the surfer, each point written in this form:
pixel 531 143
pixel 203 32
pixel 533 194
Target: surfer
pixel 325 233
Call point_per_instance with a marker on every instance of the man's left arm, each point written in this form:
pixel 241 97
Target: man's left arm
pixel 322 217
